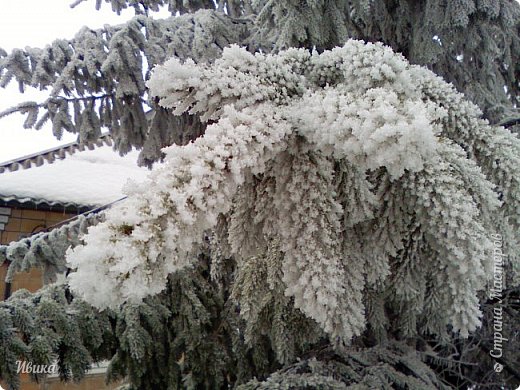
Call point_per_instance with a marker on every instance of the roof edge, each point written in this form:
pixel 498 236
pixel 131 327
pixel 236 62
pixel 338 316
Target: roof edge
pixel 44 205
pixel 50 155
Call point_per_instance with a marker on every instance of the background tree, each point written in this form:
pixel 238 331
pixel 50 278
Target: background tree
pixel 245 309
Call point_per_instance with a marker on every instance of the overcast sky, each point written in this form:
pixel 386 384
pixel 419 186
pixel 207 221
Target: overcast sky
pixel 36 23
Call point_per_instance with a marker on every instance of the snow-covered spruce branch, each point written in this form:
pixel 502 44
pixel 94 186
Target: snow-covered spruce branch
pixel 163 219
pixel 110 58
pixel 409 30
pixel 46 249
pixel 292 123
pixel 145 6
pixel 369 368
pixel 97 79
pixel 494 149
pixel 49 327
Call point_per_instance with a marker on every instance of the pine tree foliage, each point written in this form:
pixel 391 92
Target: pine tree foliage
pixel 48 328
pixel 334 207
pixel 146 6
pixel 276 123
pixel 392 367
pixel 188 337
pixel 473 44
pixel 462 362
pixel 170 341
pixel 53 327
pixel 46 249
pixel 98 78
pixel 267 311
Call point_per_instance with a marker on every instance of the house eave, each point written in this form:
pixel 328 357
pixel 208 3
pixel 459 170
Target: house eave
pixel 44 205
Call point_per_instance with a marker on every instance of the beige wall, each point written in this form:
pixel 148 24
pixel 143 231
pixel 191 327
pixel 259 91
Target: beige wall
pixel 91 382
pixel 22 223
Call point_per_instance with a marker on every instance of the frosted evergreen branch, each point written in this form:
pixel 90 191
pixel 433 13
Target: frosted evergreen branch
pixel 98 78
pixel 403 225
pixel 374 368
pixel 258 289
pixel 52 323
pixel 145 6
pixel 41 327
pixel 46 249
pixel 489 27
pixel 509 122
pixel 277 128
pixel 95 52
pixel 195 212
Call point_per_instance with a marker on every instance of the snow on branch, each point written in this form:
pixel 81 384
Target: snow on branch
pixel 46 249
pixel 50 327
pixel 144 6
pixel 97 79
pixel 281 129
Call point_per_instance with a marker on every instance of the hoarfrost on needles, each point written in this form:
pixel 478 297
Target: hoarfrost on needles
pixel 334 156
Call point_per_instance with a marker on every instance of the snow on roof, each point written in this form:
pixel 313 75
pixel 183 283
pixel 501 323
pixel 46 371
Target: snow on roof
pixel 87 178
pixel 50 155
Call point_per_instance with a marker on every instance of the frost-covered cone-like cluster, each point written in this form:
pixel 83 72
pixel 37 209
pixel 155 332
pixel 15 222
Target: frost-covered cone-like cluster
pixel 351 161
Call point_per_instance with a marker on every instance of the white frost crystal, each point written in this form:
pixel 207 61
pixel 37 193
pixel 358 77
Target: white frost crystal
pixel 352 160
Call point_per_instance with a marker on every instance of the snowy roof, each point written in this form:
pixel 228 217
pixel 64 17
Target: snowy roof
pixel 50 155
pixel 86 178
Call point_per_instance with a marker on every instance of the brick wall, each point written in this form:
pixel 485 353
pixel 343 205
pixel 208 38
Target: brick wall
pixel 20 223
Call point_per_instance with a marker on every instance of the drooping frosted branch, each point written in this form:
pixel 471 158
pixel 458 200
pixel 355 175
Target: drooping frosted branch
pixel 97 79
pixel 359 110
pixel 47 249
pixel 473 44
pixel 145 6
pixel 154 232
pixel 46 328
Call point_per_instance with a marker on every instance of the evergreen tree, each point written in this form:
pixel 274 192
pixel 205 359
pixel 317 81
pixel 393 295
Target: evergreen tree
pixel 335 222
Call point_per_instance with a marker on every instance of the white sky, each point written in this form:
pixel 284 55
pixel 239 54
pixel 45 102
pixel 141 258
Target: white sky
pixel 37 23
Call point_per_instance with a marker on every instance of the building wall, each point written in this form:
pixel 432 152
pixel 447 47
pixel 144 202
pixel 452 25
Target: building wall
pixel 92 382
pixel 20 223
pixel 15 224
